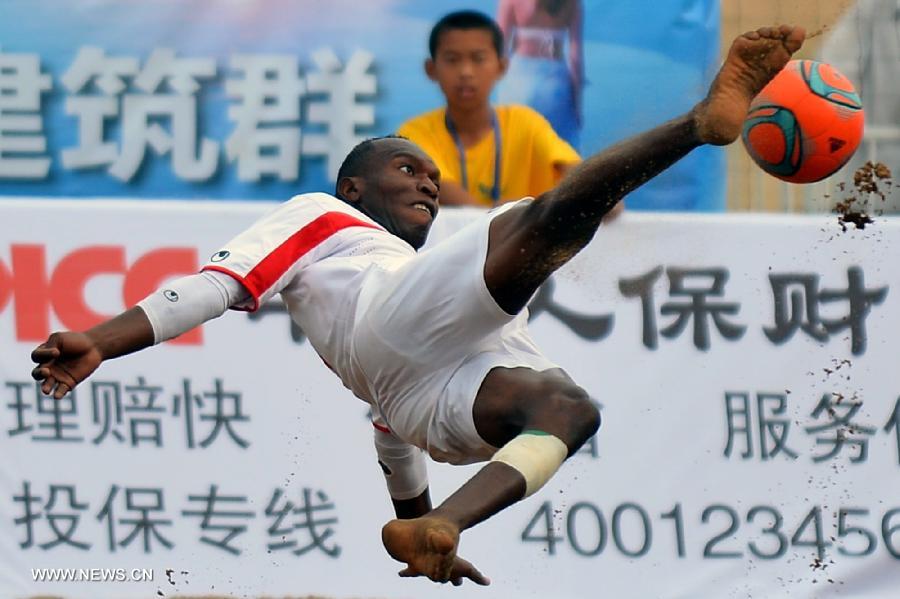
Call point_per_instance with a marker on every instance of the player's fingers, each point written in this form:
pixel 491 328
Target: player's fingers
pixel 753 35
pixel 61 390
pixel 409 572
pixel 58 382
pixel 42 353
pixel 48 384
pixel 40 372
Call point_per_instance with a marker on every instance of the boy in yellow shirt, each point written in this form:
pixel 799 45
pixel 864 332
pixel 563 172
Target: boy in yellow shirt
pixel 486 154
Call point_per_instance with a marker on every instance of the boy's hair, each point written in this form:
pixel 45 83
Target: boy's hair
pixel 465 19
pixel 357 161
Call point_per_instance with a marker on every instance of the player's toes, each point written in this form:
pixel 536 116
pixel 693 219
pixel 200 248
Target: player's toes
pixel 793 39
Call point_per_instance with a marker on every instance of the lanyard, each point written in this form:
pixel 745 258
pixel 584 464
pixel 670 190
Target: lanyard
pixel 495 190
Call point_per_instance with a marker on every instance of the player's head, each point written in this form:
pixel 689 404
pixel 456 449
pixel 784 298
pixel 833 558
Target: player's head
pixel 466 59
pixel 393 181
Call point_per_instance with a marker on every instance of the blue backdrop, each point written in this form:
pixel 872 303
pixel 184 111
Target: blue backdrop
pixel 65 129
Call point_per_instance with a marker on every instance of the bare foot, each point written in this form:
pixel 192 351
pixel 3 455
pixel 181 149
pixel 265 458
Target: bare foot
pixel 753 60
pixel 427 545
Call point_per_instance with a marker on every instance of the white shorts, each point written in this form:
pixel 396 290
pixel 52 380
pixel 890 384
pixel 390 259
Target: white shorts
pixel 452 436
pixel 428 333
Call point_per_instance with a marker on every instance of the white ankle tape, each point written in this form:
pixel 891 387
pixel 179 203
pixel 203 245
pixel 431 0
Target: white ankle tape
pixel 536 455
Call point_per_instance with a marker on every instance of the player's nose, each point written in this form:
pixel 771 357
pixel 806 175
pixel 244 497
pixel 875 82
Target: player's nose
pixel 428 187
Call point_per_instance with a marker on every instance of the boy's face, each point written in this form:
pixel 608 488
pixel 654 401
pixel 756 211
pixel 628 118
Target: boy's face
pixel 466 67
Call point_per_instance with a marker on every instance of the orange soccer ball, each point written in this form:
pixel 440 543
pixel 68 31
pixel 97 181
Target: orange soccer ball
pixel 805 124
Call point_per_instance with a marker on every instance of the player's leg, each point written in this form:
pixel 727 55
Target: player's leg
pixel 532 240
pixel 538 419
pixel 527 243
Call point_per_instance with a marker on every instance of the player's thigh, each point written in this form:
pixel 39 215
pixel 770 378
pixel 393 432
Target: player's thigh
pixel 453 436
pixel 437 306
pixel 524 249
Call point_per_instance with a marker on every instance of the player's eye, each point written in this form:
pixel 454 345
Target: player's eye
pixel 406 169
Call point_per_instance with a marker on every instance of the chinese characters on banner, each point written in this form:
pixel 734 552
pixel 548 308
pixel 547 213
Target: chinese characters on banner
pixel 751 417
pixel 141 516
pixel 124 108
pixel 697 299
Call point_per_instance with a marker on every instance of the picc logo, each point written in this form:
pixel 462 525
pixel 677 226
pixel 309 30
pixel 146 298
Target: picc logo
pixel 39 291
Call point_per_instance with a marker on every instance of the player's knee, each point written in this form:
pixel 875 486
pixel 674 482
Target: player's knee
pixel 584 415
pixel 570 410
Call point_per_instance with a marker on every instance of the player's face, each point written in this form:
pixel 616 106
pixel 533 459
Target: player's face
pixel 401 193
pixel 466 67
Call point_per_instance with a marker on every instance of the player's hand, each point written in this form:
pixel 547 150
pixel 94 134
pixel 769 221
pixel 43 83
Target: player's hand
pixel 461 569
pixel 63 361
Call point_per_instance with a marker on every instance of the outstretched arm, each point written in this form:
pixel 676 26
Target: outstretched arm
pixel 67 358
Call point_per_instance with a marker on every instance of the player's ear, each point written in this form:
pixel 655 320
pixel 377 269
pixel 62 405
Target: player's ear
pixel 429 69
pixel 350 188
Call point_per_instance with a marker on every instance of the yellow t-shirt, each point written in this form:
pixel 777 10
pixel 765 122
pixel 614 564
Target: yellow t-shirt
pixel 530 149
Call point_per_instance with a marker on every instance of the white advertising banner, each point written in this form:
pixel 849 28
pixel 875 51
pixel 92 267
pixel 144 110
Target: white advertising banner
pixel 745 366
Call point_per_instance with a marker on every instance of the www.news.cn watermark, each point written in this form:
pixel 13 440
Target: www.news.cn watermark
pixel 92 575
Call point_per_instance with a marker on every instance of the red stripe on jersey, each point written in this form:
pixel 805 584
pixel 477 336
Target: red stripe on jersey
pixel 272 267
pixel 279 260
pixel 383 429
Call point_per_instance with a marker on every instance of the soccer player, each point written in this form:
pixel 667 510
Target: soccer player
pixel 435 342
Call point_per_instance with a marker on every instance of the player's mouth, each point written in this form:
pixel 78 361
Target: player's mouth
pixel 429 209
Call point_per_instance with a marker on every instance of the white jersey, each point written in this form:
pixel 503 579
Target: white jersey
pixel 317 252
pixel 413 334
